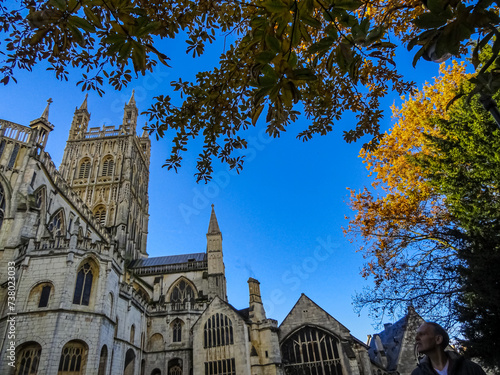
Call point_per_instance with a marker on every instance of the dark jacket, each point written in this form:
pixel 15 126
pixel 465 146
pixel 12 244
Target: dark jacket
pixel 458 365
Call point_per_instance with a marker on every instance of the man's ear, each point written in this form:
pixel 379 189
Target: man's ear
pixel 439 339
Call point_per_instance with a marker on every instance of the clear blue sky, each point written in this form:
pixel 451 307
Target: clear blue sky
pixel 281 218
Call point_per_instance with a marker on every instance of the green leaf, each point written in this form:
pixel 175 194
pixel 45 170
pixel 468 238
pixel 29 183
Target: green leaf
pixel 375 34
pixel 265 57
pixel 139 57
pixel 114 38
pixel 304 74
pixel 275 6
pixel 311 21
pixel 347 4
pixel 92 17
pixel 430 20
pixel 81 23
pixel 59 4
pixel 256 113
pixel 272 42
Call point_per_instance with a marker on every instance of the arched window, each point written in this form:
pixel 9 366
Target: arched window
pixel 44 296
pixel 218 331
pixel 84 170
pixel 73 358
pixel 100 215
pixel 156 371
pixel 177 330
pixel 2 205
pixel 40 197
pixel 39 296
pixel 28 358
pixel 129 363
pixel 182 292
pixel 175 366
pixel 83 285
pixel 56 224
pixel 156 343
pixel 103 359
pixel 311 350
pixel 132 334
pixel 108 166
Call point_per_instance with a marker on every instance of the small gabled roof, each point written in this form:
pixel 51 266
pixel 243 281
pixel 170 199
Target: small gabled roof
pixel 324 323
pixel 166 260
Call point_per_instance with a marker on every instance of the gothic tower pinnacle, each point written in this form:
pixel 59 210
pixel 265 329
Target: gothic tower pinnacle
pixel 130 114
pixel 80 122
pixel 216 270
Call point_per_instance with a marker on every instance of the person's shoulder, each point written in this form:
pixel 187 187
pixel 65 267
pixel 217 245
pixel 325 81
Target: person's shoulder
pixel 472 367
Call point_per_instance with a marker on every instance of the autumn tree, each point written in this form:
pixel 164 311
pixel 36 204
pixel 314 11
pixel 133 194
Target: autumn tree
pixel 408 236
pixel 318 58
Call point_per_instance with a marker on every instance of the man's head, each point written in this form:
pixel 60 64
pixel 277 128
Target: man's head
pixel 431 337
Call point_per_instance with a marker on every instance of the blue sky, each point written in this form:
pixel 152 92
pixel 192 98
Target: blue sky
pixel 281 218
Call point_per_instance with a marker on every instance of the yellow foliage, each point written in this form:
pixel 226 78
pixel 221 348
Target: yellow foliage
pixel 401 208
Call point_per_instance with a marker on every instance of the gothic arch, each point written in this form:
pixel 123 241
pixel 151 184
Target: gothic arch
pixel 86 282
pixel 103 361
pixel 100 214
pixel 177 327
pixel 175 366
pixel 73 360
pixel 110 304
pixel 41 295
pixel 84 168
pixel 132 334
pixel 181 291
pixel 156 343
pixel 57 223
pixel 28 358
pixel 314 348
pixel 108 165
pixel 129 364
pixel 40 196
pixel 218 331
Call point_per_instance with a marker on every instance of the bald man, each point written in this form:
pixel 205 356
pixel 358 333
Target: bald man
pixel 432 341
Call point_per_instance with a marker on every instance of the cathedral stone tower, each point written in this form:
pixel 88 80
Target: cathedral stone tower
pixel 109 169
pixel 216 270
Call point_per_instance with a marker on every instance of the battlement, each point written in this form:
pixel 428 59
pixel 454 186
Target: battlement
pixel 106 131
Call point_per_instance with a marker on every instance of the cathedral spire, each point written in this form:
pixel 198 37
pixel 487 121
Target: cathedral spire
pixel 213 226
pixel 132 99
pixel 84 104
pixel 45 114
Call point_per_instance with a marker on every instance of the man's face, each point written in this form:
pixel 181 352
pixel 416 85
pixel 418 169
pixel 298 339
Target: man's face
pixel 426 339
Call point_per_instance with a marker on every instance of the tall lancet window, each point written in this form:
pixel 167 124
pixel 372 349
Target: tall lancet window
pixel 84 170
pixel 218 331
pixel 100 215
pixel 108 166
pixel 83 287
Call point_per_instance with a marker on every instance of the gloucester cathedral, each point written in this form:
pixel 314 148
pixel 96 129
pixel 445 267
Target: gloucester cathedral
pixel 89 300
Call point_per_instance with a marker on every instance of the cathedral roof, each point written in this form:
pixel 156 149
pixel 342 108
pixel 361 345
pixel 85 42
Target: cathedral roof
pixel 171 259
